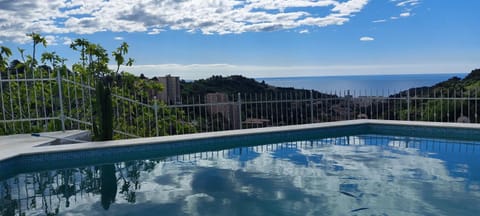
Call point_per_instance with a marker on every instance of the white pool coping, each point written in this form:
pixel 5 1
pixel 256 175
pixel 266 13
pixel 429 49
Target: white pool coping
pixel 18 145
pixel 15 145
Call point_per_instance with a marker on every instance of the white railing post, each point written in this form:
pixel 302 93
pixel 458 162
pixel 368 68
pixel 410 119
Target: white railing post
pixel 155 109
pixel 60 98
pixel 239 103
pixel 311 106
pixel 408 105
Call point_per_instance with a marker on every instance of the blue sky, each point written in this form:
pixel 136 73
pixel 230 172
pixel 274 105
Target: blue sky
pixel 268 38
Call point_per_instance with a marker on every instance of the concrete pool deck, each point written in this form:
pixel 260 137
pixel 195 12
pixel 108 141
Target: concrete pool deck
pixel 24 144
pixel 15 145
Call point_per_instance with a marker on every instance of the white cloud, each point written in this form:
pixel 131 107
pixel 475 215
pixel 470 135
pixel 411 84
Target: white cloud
pixel 67 41
pixel 151 16
pixel 406 7
pixel 349 7
pixel 118 38
pixel 198 71
pixel 406 3
pixel 367 39
pixel 379 21
pixel 51 40
pixel 155 31
pixel 304 31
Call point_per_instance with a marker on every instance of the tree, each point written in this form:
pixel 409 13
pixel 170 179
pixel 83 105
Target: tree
pixel 51 57
pixel 108 188
pixel 103 110
pixel 97 60
pixel 21 99
pixel 37 39
pixel 81 43
pixel 119 56
pixel 5 52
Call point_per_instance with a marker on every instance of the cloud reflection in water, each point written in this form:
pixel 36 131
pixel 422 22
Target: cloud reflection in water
pixel 365 174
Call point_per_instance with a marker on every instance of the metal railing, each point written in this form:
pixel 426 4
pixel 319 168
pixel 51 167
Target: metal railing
pixel 45 100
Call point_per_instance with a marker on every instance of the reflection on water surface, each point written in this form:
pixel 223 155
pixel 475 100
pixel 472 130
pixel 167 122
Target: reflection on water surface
pixel 356 175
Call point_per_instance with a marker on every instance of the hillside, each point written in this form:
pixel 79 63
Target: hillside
pixel 233 85
pixel 433 104
pixel 454 85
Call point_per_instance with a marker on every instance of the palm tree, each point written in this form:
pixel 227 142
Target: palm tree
pixel 5 52
pixel 51 57
pixel 119 56
pixel 83 44
pixel 37 39
pixel 99 65
pixel 22 55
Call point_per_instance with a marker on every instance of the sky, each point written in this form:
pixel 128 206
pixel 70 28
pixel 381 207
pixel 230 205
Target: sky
pixel 258 38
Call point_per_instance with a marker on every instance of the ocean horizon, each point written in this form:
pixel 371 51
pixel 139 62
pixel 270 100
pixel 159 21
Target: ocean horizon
pixel 361 84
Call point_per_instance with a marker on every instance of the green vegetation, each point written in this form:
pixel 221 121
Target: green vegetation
pixel 425 107
pixel 31 102
pixel 103 124
pixel 60 189
pixel 30 94
pixel 423 104
pixel 233 85
pixel 254 96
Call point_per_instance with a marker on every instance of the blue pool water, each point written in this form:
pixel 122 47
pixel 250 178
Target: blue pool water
pixel 345 175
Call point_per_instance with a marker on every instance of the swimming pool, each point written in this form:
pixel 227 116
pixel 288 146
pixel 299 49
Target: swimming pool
pixel 357 169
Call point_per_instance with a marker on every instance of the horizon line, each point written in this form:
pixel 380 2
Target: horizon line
pixel 202 71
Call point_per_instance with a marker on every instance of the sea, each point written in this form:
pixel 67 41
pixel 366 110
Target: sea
pixel 361 84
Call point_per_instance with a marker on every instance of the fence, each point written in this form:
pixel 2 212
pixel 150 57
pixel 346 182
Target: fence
pixel 45 100
pixel 303 107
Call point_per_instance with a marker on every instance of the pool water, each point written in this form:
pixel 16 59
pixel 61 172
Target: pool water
pixel 347 175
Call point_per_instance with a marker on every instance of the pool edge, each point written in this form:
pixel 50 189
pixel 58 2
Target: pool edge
pixel 232 133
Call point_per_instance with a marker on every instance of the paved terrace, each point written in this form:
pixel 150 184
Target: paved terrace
pixel 15 145
pixel 25 144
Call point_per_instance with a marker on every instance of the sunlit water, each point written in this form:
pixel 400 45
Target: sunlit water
pixel 378 85
pixel 356 175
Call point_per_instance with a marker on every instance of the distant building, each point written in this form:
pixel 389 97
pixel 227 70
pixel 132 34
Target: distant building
pixel 220 104
pixel 213 98
pixel 365 101
pixel 171 89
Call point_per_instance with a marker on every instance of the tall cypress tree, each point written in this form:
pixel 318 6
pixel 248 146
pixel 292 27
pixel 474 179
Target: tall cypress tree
pixel 103 125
